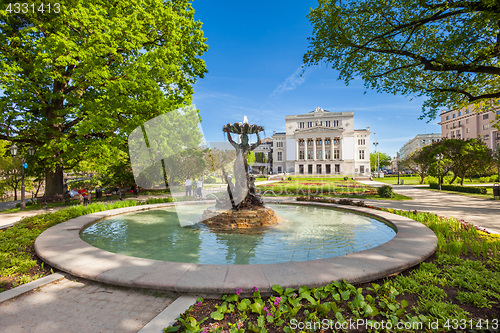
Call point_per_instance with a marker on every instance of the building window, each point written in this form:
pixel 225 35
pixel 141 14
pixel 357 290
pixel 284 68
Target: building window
pixel 361 154
pixel 301 142
pixel 280 156
pixel 310 142
pixel 279 144
pixel 447 117
pixel 279 169
pixel 301 124
pixel 309 124
pixel 328 141
pixel 301 155
pixel 328 169
pixel 466 130
pixel 361 142
pixel 446 126
pixel 337 168
pixel 466 111
pixel 467 120
pixel 485 116
pixel 361 169
pixel 318 142
pixel 318 154
pixel 328 123
pixel 486 126
pixel 336 123
pixel 336 141
pixel 454 115
pixel 328 155
pixel 459 123
pixel 310 155
pixel 459 113
pixel 336 154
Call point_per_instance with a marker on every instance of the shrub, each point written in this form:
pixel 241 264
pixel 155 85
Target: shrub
pixel 289 178
pixel 385 191
pixel 210 180
pixel 346 178
pixel 458 188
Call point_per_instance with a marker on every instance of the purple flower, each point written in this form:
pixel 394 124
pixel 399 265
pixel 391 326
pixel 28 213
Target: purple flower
pixel 239 324
pixel 199 303
pixel 277 301
pixel 294 295
pixel 255 289
pixel 239 291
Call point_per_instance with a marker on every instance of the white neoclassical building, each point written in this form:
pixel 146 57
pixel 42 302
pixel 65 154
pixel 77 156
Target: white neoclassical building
pixel 322 143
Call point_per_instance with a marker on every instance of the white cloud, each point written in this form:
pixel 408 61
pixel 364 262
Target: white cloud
pixel 291 82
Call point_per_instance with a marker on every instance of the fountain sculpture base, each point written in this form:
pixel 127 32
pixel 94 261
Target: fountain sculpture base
pixel 256 217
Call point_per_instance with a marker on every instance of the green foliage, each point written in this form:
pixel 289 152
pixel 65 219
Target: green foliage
pixel 93 72
pixel 385 191
pixel 382 158
pixel 458 188
pixel 445 51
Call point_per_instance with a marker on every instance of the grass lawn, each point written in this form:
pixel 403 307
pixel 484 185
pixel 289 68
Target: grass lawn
pixel 458 285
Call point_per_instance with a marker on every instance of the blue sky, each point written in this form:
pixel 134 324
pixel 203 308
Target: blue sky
pixel 254 62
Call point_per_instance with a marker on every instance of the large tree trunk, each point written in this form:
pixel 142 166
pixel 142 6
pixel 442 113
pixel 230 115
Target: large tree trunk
pixel 54 181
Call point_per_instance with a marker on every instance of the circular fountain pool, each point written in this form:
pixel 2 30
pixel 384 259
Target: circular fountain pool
pixel 305 233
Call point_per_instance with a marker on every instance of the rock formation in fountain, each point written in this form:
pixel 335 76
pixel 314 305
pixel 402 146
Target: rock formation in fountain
pixel 241 206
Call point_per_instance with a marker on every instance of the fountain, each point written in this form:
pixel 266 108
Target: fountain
pixel 239 245
pixel 241 207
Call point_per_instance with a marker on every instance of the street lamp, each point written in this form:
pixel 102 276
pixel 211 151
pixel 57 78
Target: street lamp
pixel 13 151
pixel 376 152
pixel 397 164
pixel 439 158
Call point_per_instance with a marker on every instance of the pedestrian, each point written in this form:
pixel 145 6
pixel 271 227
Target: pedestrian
pixel 188 184
pixel 199 187
pixel 135 189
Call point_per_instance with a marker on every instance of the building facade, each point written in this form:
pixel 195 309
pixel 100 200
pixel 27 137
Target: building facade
pixel 322 143
pixel 419 141
pixel 263 157
pixel 467 124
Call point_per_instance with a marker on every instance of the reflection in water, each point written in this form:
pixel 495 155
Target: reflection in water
pixel 306 233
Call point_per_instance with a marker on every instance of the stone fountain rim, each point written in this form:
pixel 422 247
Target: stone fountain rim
pixel 61 247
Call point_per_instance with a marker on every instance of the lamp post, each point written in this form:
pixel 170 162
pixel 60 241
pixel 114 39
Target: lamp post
pixel 439 158
pixel 397 164
pixel 13 152
pixel 376 152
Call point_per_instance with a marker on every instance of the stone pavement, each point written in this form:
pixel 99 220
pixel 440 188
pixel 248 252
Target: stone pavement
pixel 74 305
pixel 484 213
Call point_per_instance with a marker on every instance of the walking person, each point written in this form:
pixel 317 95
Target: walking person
pixel 188 183
pixel 199 187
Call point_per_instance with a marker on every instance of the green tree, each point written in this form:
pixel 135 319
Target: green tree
pixel 383 160
pixel 75 83
pixel 419 162
pixel 466 156
pixel 251 158
pixel 447 51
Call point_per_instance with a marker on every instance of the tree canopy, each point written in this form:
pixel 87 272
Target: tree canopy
pixel 77 82
pixel 382 158
pixel 447 51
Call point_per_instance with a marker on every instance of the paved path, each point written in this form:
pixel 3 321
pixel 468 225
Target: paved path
pixel 71 305
pixel 480 212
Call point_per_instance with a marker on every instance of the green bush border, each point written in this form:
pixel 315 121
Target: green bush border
pixel 458 188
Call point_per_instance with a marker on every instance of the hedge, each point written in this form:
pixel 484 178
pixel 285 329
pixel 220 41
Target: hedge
pixel 458 188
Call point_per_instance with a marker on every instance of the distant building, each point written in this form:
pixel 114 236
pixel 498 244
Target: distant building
pixel 419 141
pixel 322 142
pixel 263 157
pixel 467 124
